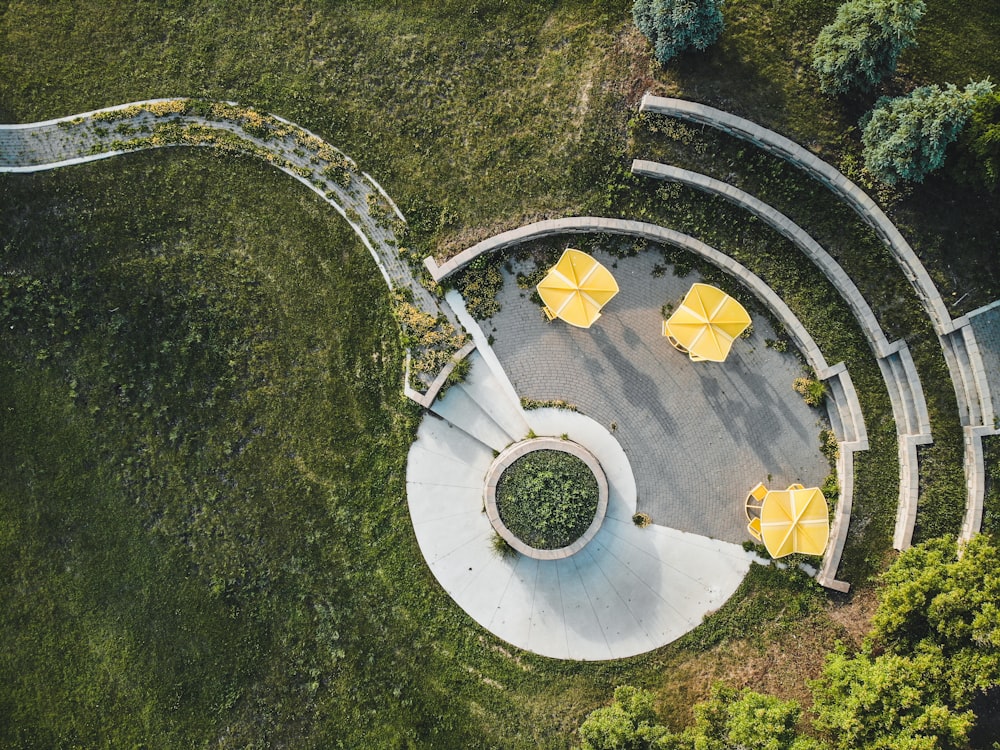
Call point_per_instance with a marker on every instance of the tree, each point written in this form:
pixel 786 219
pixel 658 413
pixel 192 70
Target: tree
pixel 744 720
pixel 863 44
pixel 889 702
pixel 979 144
pixel 933 647
pixel 674 25
pixel 629 723
pixel 934 596
pixel 905 138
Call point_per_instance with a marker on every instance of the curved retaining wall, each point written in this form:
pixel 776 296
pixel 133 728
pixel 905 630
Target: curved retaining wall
pixel 909 407
pixel 964 364
pixel 518 450
pixel 846 416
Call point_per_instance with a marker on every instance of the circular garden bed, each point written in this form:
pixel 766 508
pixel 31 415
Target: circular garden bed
pixel 546 497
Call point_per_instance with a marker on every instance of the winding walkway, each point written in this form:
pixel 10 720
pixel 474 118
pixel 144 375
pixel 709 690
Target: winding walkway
pixel 159 123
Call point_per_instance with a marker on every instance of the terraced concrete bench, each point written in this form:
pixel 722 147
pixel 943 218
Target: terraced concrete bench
pixel 909 407
pixel 984 321
pixel 847 419
pixel 962 362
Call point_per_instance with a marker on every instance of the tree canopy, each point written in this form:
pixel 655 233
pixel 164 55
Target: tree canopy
pixel 933 649
pixel 629 723
pixel 905 137
pixel 934 645
pixel 674 25
pixel 979 144
pixel 863 44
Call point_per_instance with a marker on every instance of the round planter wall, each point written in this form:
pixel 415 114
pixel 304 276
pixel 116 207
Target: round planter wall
pixel 511 454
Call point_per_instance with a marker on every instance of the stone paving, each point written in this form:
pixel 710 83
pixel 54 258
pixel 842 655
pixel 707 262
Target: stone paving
pixel 987 330
pixel 698 435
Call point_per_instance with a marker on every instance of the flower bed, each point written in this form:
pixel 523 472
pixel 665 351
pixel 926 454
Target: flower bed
pixel 547 498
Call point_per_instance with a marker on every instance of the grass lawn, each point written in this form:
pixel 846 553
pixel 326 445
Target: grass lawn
pixel 203 517
pixel 203 439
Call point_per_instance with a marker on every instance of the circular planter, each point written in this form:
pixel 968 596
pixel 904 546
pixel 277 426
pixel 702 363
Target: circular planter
pixel 513 452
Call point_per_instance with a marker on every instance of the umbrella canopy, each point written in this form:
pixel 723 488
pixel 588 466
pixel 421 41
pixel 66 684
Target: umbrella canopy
pixel 706 323
pixel 795 520
pixel 576 288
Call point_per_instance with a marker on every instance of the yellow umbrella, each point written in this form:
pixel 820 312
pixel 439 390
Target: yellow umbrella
pixel 706 323
pixel 795 520
pixel 576 288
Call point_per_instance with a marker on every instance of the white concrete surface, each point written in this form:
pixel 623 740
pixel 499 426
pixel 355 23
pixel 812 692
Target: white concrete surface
pixel 627 592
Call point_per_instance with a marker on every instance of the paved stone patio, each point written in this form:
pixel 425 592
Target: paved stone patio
pixel 698 435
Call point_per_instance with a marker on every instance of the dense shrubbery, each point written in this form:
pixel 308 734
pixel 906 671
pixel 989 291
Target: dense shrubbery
pixel 673 26
pixel 933 650
pixel 979 144
pixel 729 720
pixel 905 138
pixel 862 46
pixel 547 498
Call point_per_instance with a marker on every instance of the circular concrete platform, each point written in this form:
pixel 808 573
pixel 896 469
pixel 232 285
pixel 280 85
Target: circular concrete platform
pixel 630 590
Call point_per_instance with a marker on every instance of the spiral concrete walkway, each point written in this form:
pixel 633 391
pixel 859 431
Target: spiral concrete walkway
pixel 630 590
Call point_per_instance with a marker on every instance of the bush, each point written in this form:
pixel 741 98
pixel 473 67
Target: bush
pixel 629 722
pixel 979 144
pixel 642 520
pixel 674 25
pixel 862 46
pixel 501 548
pixel 547 498
pixel 905 138
pixel 813 392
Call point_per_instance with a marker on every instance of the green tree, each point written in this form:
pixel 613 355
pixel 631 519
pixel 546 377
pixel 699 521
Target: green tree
pixel 744 720
pixel 863 44
pixel 674 25
pixel 934 645
pixel 979 144
pixel 629 723
pixel 933 595
pixel 905 138
pixel 889 702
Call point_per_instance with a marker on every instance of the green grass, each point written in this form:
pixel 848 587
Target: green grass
pixel 470 114
pixel 761 69
pixel 204 528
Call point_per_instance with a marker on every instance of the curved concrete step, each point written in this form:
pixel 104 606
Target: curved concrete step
pixel 466 413
pixel 488 392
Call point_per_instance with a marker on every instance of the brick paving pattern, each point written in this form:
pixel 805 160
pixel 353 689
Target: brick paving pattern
pixel 698 435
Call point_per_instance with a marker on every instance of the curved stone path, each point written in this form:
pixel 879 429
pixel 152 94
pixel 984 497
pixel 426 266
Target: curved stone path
pixel 324 169
pixel 966 367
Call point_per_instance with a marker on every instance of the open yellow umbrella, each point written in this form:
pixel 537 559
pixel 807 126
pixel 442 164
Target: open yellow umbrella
pixel 706 323
pixel 576 288
pixel 795 520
